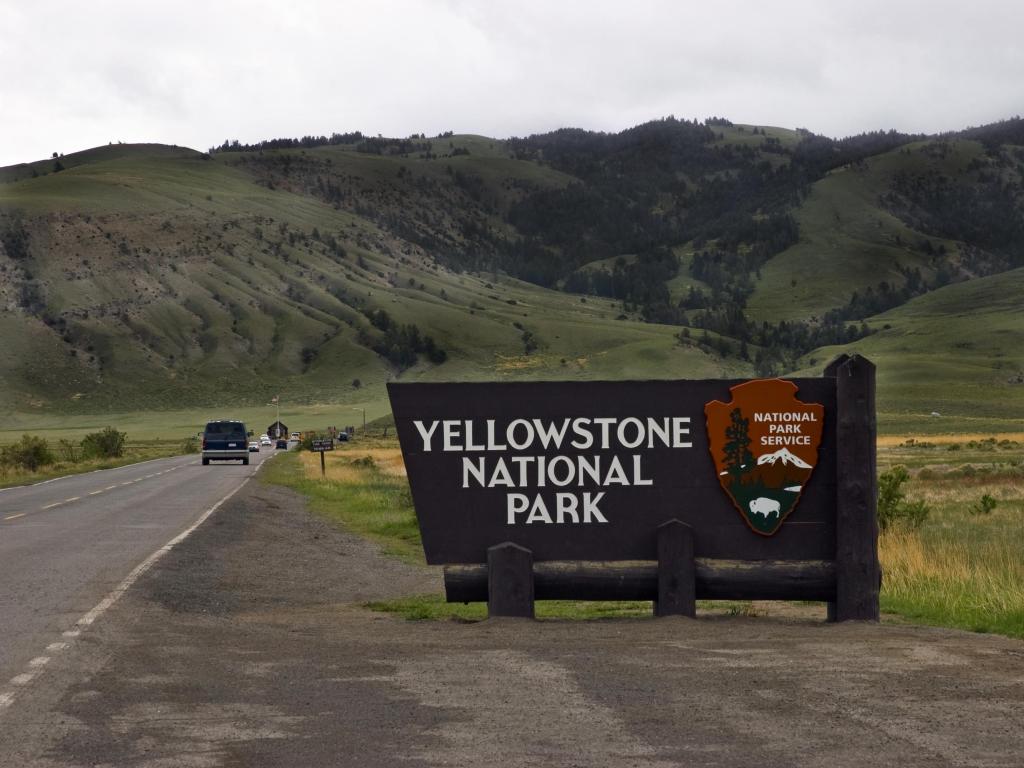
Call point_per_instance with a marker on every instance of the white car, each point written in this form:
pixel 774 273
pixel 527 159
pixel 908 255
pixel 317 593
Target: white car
pixel 254 447
pixel 266 441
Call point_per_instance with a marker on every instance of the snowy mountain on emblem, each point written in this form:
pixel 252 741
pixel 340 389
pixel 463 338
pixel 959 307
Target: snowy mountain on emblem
pixel 785 456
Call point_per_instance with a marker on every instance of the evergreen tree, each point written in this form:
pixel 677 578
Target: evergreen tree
pixel 737 447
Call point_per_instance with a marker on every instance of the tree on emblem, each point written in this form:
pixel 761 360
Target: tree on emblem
pixel 736 450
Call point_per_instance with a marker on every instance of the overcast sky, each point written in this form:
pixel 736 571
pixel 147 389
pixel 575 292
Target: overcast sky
pixel 78 74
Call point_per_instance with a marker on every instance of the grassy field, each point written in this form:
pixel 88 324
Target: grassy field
pixel 959 569
pixel 964 567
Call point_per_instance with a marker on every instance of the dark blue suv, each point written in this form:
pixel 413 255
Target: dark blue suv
pixel 225 441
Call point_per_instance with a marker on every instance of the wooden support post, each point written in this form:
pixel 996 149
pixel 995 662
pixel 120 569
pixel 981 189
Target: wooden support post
pixel 677 572
pixel 633 580
pixel 833 367
pixel 857 570
pixel 509 581
pixel 323 465
pixel 830 373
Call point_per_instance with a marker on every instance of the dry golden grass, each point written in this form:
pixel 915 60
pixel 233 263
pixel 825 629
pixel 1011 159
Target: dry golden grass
pixel 983 579
pixel 346 465
pixel 885 441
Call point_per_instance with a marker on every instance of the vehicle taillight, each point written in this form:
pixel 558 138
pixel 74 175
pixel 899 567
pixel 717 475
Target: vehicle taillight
pixel 204 443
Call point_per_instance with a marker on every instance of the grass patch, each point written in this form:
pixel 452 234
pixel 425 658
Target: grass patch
pixel 978 588
pixel 959 569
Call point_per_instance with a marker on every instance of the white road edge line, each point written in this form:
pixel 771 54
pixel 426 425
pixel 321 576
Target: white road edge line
pixel 36 664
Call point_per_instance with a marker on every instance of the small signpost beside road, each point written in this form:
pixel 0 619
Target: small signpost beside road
pixel 321 444
pixel 670 491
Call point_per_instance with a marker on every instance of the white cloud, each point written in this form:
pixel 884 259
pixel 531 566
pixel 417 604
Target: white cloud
pixel 78 74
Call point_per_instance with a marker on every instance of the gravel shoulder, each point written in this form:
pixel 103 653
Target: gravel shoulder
pixel 246 646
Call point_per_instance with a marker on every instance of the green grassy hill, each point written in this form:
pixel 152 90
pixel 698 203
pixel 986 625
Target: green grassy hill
pixel 957 352
pixel 146 277
pixel 167 279
pixel 849 239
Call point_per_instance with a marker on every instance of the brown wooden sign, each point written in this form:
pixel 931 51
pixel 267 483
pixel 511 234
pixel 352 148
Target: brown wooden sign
pixel 656 471
pixel 588 471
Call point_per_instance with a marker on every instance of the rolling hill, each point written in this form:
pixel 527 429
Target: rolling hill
pixel 139 277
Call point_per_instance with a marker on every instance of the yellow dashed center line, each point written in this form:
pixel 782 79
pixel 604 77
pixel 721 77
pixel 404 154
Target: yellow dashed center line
pixel 55 504
pixel 12 517
pixel 73 498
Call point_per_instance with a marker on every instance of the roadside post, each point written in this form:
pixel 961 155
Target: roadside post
pixel 668 491
pixel 321 445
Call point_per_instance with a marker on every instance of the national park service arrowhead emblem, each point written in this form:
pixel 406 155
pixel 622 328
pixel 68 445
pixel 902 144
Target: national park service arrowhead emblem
pixel 765 446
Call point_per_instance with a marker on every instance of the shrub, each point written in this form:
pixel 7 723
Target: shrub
pixel 107 444
pixel 69 451
pixel 29 453
pixel 893 507
pixel 190 445
pixel 986 504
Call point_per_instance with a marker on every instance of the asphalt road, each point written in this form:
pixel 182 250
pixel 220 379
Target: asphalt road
pixel 66 543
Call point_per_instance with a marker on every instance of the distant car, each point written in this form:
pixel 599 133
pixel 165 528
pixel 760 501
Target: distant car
pixel 296 435
pixel 281 445
pixel 264 437
pixel 225 440
pixel 254 447
pixel 266 441
pixel 341 437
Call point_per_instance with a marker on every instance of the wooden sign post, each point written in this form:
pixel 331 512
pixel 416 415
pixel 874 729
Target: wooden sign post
pixel 669 491
pixel 320 445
